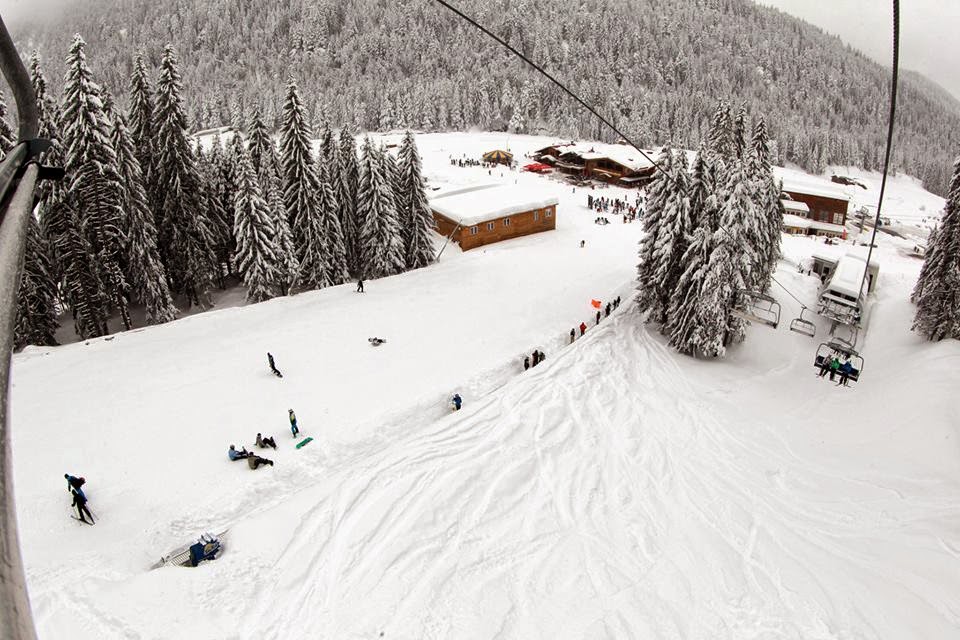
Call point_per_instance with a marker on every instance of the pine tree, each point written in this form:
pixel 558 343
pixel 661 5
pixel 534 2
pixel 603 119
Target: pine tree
pixel 327 207
pixel 143 131
pixel 300 193
pixel 288 267
pixel 381 245
pixel 937 292
pixel 738 134
pixel 7 136
pixel 147 276
pixel 415 215
pixel 771 208
pixel 257 254
pixel 37 297
pixel 348 177
pixel 185 233
pixel 658 193
pixel 260 142
pixel 95 188
pixel 720 138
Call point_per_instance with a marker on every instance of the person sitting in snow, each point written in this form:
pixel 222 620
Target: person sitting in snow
pixel 273 366
pixel 263 443
pixel 254 461
pixel 293 423
pixel 235 455
pixel 457 402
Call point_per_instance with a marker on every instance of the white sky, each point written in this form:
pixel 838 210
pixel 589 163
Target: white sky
pixel 929 31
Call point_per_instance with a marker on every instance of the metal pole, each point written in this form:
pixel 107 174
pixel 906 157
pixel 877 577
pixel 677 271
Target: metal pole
pixel 16 622
pixel 446 242
pixel 886 160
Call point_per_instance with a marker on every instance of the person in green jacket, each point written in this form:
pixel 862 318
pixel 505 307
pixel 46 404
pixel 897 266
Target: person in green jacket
pixel 296 430
pixel 834 367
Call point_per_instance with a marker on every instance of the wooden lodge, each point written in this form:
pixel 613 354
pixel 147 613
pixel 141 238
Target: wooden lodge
pixel 482 215
pixel 617 164
pixel 814 207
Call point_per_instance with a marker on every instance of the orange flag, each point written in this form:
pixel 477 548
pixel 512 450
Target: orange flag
pixel 595 303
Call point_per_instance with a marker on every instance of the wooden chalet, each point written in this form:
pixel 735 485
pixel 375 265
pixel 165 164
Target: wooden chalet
pixel 614 163
pixel 813 206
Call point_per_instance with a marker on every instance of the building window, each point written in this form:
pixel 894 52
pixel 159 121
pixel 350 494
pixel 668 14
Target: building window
pixel 838 218
pixel 490 226
pixel 473 230
pixel 548 212
pixel 506 222
pixel 536 215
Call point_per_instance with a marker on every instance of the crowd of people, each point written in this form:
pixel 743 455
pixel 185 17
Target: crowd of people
pixel 616 206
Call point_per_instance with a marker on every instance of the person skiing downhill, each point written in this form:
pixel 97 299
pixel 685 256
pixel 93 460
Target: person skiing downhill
pixel 293 423
pixel 74 483
pixel 273 366
pixel 80 502
pixel 457 401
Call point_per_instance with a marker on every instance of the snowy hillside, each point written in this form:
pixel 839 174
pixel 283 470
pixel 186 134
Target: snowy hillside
pixel 618 490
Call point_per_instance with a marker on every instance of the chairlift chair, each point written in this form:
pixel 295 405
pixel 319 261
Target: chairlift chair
pixel 757 307
pixel 805 327
pixel 828 349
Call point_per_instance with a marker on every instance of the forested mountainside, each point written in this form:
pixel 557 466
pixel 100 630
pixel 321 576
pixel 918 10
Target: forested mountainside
pixel 656 67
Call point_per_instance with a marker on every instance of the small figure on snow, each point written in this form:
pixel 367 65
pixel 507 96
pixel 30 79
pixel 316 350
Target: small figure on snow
pixel 536 357
pixel 74 483
pixel 582 243
pixel 606 310
pixel 457 402
pixel 273 366
pixel 254 461
pixel 263 443
pixel 360 285
pixel 376 341
pixel 293 423
pixel 526 362
pixel 80 502
pixel 583 328
pixel 235 455
pixel 598 316
pixel 616 303
pixel 573 335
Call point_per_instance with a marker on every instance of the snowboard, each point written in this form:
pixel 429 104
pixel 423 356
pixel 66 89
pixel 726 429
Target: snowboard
pixel 304 441
pixel 83 521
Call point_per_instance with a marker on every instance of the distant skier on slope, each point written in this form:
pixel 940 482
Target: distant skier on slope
pixel 273 366
pixel 457 402
pixel 80 502
pixel 598 317
pixel 74 483
pixel 583 328
pixel 526 362
pixel 293 423
pixel 360 285
pixel 573 335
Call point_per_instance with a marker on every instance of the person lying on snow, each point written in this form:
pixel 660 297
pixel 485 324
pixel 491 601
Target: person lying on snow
pixel 238 455
pixel 263 443
pixel 255 461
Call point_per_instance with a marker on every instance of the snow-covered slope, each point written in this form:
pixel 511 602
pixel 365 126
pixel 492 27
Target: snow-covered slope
pixel 617 490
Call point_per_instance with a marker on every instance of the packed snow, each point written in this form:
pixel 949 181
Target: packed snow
pixel 616 490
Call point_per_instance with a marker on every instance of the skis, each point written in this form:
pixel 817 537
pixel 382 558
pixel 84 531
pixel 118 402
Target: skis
pixel 304 441
pixel 83 521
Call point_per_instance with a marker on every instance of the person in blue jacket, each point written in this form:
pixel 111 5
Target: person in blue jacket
pixel 238 455
pixel 457 401
pixel 845 370
pixel 293 423
pixel 74 483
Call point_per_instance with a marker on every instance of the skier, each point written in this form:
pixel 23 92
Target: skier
pixel 606 311
pixel 583 328
pixel 80 502
pixel 526 362
pixel 582 243
pixel 263 443
pixel 74 483
pixel 616 303
pixel 273 366
pixel 536 357
pixel 254 461
pixel 457 402
pixel 293 423
pixel 573 335
pixel 360 285
pixel 235 455
pixel 598 316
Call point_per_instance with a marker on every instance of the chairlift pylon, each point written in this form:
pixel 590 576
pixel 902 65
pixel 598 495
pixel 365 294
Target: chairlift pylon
pixel 826 350
pixel 757 307
pixel 805 327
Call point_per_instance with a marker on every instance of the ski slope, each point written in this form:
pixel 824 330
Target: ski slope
pixel 618 490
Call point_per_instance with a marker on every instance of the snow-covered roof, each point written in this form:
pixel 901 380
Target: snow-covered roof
pixel 793 205
pixel 474 205
pixel 797 182
pixel 620 153
pixel 796 222
pixel 826 226
pixel 848 275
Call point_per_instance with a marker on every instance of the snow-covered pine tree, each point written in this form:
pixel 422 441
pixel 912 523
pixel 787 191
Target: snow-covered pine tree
pixel 381 244
pixel 260 144
pixel 738 133
pixel 937 293
pixel 720 137
pixel 300 186
pixel 220 189
pixel 348 177
pixel 415 215
pixel 673 236
pixel 658 192
pixel 37 297
pixel 185 231
pixel 258 258
pixel 770 190
pixel 288 267
pixel 95 187
pixel 327 207
pixel 143 130
pixel 7 137
pixel 145 271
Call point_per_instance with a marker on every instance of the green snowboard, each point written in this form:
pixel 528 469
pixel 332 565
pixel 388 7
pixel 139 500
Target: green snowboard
pixel 304 441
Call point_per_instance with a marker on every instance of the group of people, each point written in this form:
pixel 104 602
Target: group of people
pixel 618 206
pixel 533 359
pixel 470 162
pixel 832 365
pixel 253 460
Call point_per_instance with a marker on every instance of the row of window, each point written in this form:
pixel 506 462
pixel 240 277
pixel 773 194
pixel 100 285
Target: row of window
pixel 547 213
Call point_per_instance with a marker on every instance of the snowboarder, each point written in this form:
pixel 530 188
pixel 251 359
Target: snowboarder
pixel 582 243
pixel 80 502
pixel 457 402
pixel 583 328
pixel 235 455
pixel 360 285
pixel 263 443
pixel 254 461
pixel 573 335
pixel 598 316
pixel 526 362
pixel 273 366
pixel 293 423
pixel 606 311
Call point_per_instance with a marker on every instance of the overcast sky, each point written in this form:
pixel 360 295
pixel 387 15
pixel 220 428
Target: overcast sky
pixel 929 31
